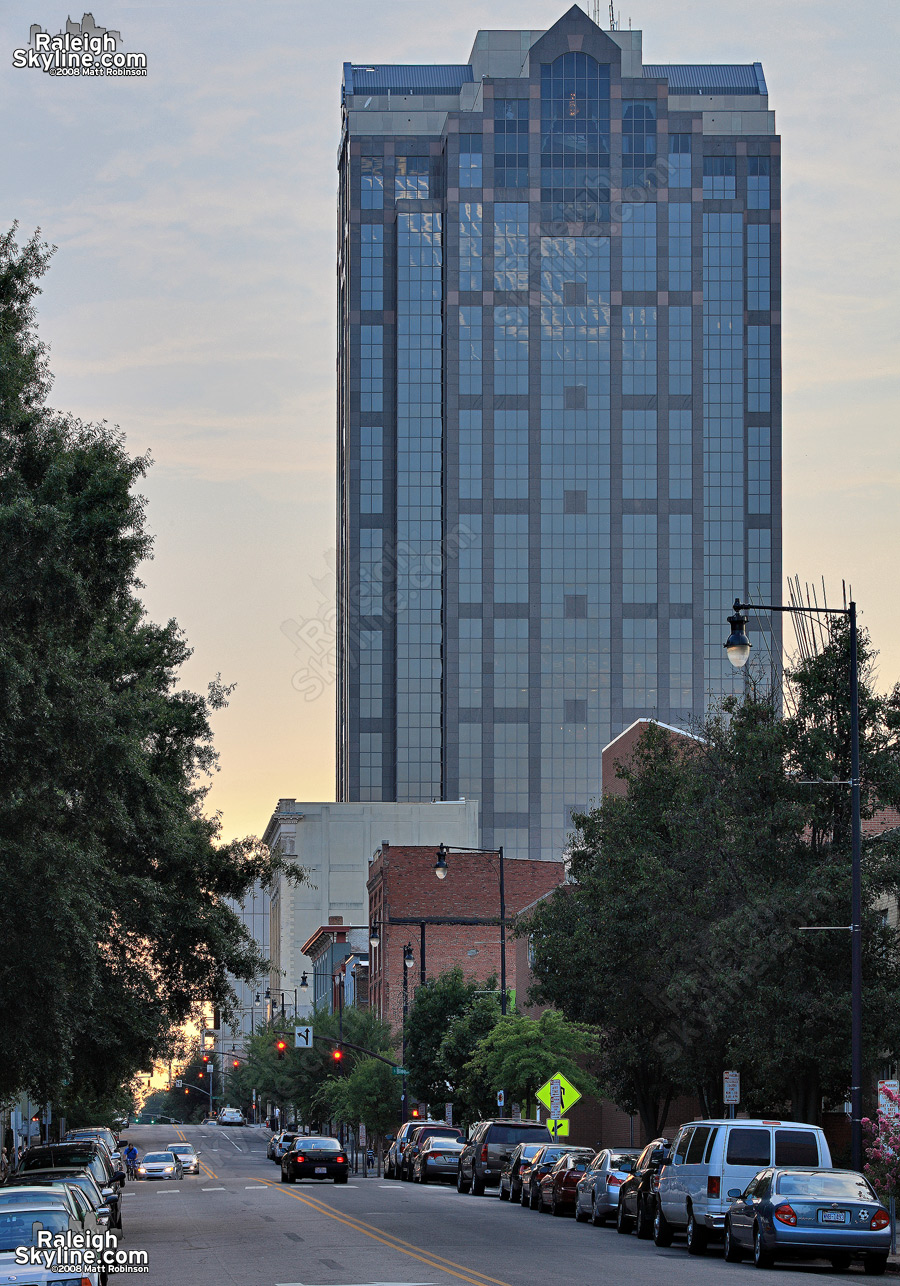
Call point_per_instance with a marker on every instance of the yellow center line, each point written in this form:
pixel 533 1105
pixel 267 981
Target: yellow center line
pixel 206 1170
pixel 395 1243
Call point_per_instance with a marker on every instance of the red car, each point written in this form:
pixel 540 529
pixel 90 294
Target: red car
pixel 533 1172
pixel 558 1189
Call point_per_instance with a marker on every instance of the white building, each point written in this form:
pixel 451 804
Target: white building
pixel 334 843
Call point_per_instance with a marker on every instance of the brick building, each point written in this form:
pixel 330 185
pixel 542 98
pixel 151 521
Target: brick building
pixel 403 886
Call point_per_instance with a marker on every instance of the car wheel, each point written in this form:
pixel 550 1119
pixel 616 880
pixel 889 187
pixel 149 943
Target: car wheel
pixel 581 1216
pixel 523 1197
pixel 504 1195
pixel 283 1177
pixel 642 1225
pixel 874 1265
pixel 662 1229
pixel 623 1223
pixel 423 1175
pixel 477 1185
pixel 597 1219
pixel 761 1257
pixel 733 1252
pixel 461 1185
pixel 695 1236
pixel 840 1262
pixel 534 1197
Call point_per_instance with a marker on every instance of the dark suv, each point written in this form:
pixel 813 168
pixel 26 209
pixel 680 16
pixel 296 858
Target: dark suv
pixel 414 1142
pixel 489 1145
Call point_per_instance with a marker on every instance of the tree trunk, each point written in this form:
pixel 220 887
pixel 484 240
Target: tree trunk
pixel 806 1097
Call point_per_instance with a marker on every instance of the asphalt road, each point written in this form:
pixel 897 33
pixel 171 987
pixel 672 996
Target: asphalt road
pixel 236 1225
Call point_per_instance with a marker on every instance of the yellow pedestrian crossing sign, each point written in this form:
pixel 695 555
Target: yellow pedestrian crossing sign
pixel 558 1129
pixel 558 1095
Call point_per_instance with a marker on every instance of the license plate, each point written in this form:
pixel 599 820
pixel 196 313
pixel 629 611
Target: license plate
pixel 321 1169
pixel 833 1216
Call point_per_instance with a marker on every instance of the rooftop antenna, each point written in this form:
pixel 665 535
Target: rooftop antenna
pixel 612 16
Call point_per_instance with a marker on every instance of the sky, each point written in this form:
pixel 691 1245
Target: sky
pixel 191 301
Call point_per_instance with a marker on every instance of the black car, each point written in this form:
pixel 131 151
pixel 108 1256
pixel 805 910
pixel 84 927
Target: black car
pixel 511 1174
pixel 312 1156
pixel 488 1147
pixel 415 1140
pixel 74 1156
pixel 637 1195
pixel 396 1143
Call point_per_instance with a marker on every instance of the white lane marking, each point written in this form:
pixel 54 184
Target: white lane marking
pixel 233 1144
pixel 260 1186
pixel 213 1189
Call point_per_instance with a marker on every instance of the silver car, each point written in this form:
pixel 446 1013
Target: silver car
pixel 190 1160
pixel 597 1196
pixel 160 1165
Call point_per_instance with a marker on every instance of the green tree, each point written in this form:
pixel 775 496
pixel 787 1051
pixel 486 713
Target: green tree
pixel 106 857
pixel 521 1053
pixel 681 937
pixel 435 1056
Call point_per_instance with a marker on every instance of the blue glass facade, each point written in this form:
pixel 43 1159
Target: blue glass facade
pixel 559 405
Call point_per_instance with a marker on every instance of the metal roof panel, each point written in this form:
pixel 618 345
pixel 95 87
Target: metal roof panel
pixel 710 78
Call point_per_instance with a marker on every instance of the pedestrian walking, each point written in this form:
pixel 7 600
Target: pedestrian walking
pixel 4 1164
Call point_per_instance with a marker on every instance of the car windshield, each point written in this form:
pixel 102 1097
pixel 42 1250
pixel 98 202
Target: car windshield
pixel 826 1185
pixel 442 1132
pixel 444 1145
pixel 158 1156
pixel 43 1158
pixel 319 1145
pixel 552 1154
pixel 180 1147
pixel 21 1227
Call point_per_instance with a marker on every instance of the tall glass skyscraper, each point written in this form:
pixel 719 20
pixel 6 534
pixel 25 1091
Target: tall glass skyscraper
pixel 559 412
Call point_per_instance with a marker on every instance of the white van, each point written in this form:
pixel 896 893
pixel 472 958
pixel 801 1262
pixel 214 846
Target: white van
pixel 231 1116
pixel 708 1158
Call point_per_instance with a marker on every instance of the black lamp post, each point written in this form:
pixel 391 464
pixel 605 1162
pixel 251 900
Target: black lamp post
pixel 441 868
pixel 408 963
pixel 738 647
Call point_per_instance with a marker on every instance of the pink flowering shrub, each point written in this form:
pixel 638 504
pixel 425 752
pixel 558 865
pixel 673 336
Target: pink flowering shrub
pixel 882 1168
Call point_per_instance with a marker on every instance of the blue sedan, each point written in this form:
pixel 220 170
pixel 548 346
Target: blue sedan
pixel 808 1213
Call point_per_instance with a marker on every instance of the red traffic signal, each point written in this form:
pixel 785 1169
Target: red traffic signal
pixel 235 1062
pixel 414 1113
pixel 281 1046
pixel 199 1076
pixel 206 1058
pixel 337 1055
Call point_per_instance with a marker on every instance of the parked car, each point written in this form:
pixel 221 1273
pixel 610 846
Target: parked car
pixel 709 1158
pixel 231 1116
pixel 100 1132
pixel 283 1142
pixel 86 1155
pixel 598 1189
pixel 190 1160
pixel 210 1120
pixel 160 1165
pixel 82 1179
pixel 437 1158
pixel 511 1174
pixel 415 1139
pixel 20 1225
pixel 396 1144
pixel 534 1170
pixel 489 1146
pixel 270 1146
pixel 557 1190
pixel 313 1156
pixel 808 1213
pixel 637 1195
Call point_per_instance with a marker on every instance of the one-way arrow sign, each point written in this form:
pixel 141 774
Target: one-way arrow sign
pixel 303 1037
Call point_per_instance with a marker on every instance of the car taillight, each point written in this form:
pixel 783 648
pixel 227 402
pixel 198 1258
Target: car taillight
pixel 786 1214
pixel 880 1220
pixel 342 1158
pixel 654 1183
pixel 298 1156
pixel 712 1185
pixel 484 1154
pixel 614 1181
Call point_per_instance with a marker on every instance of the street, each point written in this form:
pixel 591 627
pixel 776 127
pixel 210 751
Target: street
pixel 236 1223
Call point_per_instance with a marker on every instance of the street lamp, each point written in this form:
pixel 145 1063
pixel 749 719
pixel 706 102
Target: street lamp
pixel 304 984
pixel 738 646
pixel 408 956
pixel 374 935
pixel 408 963
pixel 441 868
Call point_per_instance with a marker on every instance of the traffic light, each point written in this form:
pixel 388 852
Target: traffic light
pixel 199 1076
pixel 206 1058
pixel 415 1113
pixel 187 1091
pixel 235 1062
pixel 281 1046
pixel 337 1055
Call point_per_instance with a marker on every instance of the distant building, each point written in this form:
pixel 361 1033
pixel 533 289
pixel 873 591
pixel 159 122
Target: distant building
pixel 328 949
pixel 334 843
pixel 559 395
pixel 447 922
